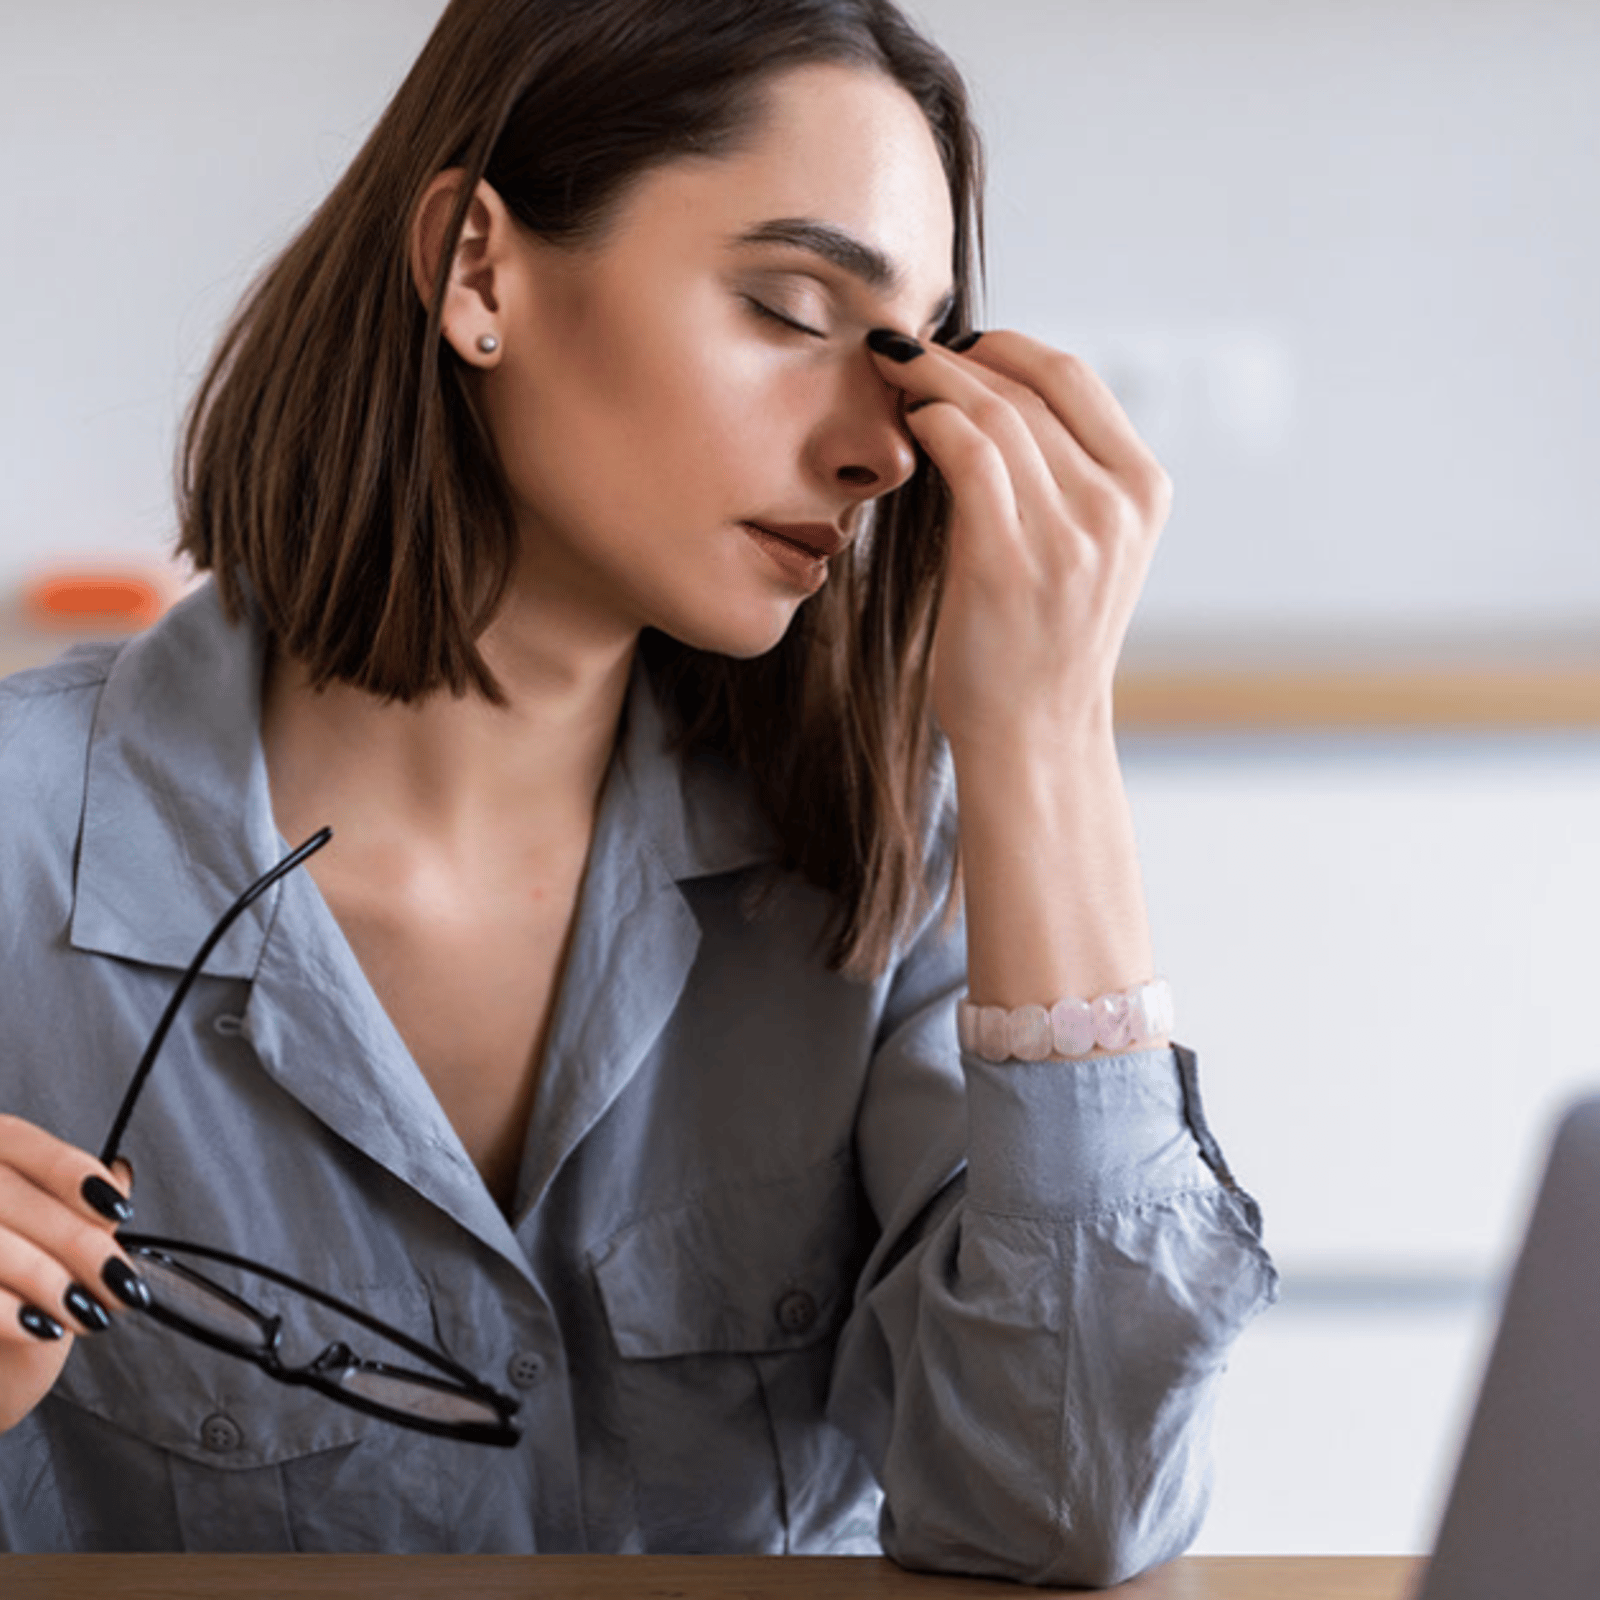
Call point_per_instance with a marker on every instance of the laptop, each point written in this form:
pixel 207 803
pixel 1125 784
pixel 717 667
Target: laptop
pixel 1522 1521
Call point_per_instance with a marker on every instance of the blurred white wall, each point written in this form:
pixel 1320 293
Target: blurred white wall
pixel 1384 951
pixel 156 154
pixel 1342 261
pixel 1342 257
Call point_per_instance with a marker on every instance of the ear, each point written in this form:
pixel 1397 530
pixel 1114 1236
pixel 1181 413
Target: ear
pixel 472 304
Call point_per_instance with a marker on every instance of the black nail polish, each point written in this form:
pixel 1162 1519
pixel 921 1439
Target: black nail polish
pixel 965 342
pixel 886 342
pixel 111 1205
pixel 125 1284
pixel 86 1309
pixel 40 1325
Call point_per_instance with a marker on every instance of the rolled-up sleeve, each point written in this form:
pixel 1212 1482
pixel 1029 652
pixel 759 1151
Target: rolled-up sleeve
pixel 1034 1354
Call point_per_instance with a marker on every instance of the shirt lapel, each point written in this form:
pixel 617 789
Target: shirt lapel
pixel 319 1030
pixel 662 821
pixel 177 822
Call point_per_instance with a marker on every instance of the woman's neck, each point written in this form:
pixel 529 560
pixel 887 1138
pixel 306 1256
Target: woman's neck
pixel 456 776
pixel 461 836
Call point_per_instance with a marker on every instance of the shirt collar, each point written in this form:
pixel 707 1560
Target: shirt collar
pixel 696 813
pixel 178 818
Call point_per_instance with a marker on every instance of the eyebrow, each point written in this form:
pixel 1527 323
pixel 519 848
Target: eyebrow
pixel 841 249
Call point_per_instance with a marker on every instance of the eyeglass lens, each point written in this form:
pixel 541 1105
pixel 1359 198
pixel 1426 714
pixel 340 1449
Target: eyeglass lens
pixel 195 1302
pixel 189 1296
pixel 416 1398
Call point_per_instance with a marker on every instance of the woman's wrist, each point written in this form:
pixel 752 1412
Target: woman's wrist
pixel 1064 739
pixel 1037 788
pixel 1054 900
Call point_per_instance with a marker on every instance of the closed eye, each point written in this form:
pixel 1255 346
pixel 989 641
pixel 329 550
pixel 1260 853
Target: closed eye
pixel 770 314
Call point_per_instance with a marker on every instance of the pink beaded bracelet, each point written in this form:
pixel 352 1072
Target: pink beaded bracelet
pixel 1068 1028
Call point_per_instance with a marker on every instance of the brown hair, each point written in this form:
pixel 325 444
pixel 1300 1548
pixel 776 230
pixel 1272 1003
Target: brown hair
pixel 334 470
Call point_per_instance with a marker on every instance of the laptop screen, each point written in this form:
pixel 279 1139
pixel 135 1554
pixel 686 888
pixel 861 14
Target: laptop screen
pixel 1522 1521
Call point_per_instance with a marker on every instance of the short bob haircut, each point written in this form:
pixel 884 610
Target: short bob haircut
pixel 335 475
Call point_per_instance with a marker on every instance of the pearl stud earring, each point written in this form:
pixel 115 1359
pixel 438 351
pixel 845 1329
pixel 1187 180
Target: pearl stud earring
pixel 488 343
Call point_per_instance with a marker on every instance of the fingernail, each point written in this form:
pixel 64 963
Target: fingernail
pixel 111 1205
pixel 40 1325
pixel 125 1284
pixel 965 342
pixel 86 1309
pixel 886 342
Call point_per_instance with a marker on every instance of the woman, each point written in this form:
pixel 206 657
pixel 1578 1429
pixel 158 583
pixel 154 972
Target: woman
pixel 619 539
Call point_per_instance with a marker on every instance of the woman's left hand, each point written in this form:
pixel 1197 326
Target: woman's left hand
pixel 1057 504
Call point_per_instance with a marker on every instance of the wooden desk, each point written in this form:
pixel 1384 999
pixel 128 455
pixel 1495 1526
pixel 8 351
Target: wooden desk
pixel 656 1578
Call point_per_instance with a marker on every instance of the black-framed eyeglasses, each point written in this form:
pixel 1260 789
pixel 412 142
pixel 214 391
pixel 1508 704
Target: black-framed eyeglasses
pixel 444 1399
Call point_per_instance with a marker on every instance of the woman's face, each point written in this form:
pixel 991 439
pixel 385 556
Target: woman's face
pixel 665 399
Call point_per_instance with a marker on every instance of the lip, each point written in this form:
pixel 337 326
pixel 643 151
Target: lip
pixel 803 567
pixel 819 539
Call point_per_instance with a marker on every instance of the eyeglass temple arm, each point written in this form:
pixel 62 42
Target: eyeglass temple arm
pixel 186 982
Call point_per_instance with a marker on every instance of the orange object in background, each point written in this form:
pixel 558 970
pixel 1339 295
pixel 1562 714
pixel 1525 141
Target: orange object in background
pixel 111 602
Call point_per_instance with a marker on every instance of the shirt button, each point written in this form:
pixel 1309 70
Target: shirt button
pixel 524 1369
pixel 229 1026
pixel 796 1311
pixel 221 1434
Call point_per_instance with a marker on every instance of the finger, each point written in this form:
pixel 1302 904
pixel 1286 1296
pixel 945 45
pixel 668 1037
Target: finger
pixel 39 1285
pixel 23 1322
pixel 1076 393
pixel 54 1258
pixel 974 468
pixel 1071 466
pixel 43 1286
pixel 1061 495
pixel 1104 487
pixel 33 1349
pixel 71 1175
pixel 935 379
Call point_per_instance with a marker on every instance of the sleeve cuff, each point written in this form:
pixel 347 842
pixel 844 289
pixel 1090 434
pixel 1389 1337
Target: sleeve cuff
pixel 1065 1137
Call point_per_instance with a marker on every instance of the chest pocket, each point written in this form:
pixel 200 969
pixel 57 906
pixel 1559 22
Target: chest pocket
pixel 724 1313
pixel 161 1443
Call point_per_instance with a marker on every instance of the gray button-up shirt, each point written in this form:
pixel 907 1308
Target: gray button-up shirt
pixel 784 1271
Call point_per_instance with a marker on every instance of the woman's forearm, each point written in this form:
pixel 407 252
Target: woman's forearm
pixel 1054 898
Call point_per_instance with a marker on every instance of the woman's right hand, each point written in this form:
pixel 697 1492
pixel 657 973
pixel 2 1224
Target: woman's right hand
pixel 62 1272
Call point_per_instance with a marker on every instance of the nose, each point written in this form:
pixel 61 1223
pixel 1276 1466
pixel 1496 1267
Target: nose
pixel 862 442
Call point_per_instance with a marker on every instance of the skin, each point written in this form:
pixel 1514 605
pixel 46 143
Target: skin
pixel 651 394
